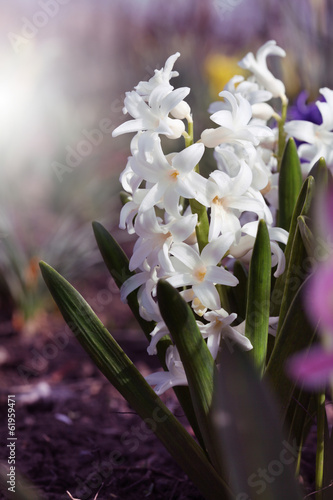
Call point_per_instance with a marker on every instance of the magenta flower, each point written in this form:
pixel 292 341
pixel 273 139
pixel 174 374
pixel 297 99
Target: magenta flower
pixel 314 368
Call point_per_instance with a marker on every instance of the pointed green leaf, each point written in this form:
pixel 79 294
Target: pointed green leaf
pixel 296 334
pixel 298 269
pixel 197 360
pixel 321 174
pixel 290 183
pixel 125 377
pixel 300 415
pixel 239 292
pixel 258 304
pixel 302 208
pixel 306 235
pixel 247 427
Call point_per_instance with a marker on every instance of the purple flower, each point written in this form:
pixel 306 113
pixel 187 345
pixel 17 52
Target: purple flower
pixel 320 299
pixel 302 110
pixel 313 368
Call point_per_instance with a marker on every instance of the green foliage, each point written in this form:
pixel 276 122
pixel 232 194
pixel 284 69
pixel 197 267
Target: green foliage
pixel 258 303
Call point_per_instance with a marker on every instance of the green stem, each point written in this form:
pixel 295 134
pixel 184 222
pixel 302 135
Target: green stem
pixel 320 445
pixel 189 137
pixel 282 134
pixel 202 227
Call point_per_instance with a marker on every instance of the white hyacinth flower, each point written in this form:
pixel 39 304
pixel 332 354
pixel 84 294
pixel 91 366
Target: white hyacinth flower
pixel 145 281
pixel 252 93
pixel 201 271
pixel 198 307
pixel 162 79
pixel 155 239
pixel 228 197
pixel 167 379
pixel 243 249
pixel 234 124
pixel 219 326
pixel 170 177
pixel 154 115
pixel 159 331
pixel 130 210
pixel 258 67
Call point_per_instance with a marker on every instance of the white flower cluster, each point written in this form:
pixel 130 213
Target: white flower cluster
pixel 161 188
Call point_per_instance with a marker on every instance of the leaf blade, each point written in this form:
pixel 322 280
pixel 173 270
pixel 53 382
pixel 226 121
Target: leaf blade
pixel 258 304
pixel 247 427
pixel 197 360
pixel 290 183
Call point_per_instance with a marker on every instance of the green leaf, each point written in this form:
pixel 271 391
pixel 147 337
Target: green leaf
pixel 239 292
pixel 302 208
pixel 299 267
pixel 296 334
pixel 306 235
pixel 300 415
pixel 290 183
pixel 261 462
pixel 197 360
pixel 321 174
pixel 258 304
pixel 121 372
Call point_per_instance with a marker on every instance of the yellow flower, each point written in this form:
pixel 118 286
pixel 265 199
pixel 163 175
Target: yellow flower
pixel 219 70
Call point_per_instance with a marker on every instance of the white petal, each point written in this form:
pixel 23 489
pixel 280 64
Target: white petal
pixel 302 130
pixel 186 160
pixel 215 250
pixel 153 196
pixel 164 381
pixel 171 100
pixel 213 344
pixel 187 255
pixel 132 284
pixel 182 279
pixel 239 338
pixel 208 295
pixel 171 201
pixel 129 126
pixel 142 250
pixel 183 228
pixel 220 276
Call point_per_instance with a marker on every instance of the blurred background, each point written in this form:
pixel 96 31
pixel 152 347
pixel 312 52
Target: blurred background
pixel 64 68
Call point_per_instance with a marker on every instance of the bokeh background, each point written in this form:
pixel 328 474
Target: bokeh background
pixel 64 68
